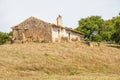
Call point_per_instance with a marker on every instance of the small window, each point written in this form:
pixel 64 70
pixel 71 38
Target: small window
pixel 58 33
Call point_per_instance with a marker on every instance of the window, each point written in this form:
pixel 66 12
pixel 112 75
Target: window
pixel 58 33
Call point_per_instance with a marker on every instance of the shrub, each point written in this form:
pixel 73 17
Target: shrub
pixel 4 37
pixel 97 38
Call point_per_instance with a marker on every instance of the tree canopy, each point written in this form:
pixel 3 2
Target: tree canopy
pixel 116 35
pixel 98 29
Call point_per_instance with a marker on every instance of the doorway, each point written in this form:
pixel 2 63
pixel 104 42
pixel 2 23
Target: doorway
pixel 69 36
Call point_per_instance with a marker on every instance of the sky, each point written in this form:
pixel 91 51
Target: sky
pixel 12 12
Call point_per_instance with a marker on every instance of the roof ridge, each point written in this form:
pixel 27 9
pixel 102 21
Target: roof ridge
pixel 37 19
pixel 52 24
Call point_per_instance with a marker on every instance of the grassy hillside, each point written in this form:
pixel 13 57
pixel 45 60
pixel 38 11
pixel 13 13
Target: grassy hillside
pixel 59 61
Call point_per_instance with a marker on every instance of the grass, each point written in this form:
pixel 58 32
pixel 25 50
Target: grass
pixel 59 61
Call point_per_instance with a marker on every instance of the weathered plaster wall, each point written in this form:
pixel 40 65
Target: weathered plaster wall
pixel 61 34
pixel 56 34
pixel 33 30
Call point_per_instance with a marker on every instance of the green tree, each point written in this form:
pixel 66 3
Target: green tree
pixel 108 30
pixel 116 35
pixel 4 37
pixel 97 38
pixel 97 29
pixel 91 26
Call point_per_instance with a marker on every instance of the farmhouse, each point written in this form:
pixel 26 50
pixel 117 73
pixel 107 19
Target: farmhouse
pixel 34 29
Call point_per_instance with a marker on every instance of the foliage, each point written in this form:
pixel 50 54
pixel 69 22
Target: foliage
pixel 97 38
pixel 10 33
pixel 4 37
pixel 90 26
pixel 97 29
pixel 116 35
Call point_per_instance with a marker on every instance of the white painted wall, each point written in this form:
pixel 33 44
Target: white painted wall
pixel 55 35
pixel 73 35
pixel 63 33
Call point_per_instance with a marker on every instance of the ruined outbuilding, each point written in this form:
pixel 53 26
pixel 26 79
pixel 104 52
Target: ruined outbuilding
pixel 34 29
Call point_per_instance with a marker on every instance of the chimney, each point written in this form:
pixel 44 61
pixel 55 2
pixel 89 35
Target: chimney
pixel 59 20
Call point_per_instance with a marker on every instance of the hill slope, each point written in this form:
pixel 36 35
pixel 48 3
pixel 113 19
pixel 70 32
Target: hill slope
pixel 57 61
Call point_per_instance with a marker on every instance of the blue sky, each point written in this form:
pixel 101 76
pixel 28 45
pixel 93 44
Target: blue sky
pixel 12 12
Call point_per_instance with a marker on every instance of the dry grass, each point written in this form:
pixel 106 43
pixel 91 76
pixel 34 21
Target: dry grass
pixel 59 61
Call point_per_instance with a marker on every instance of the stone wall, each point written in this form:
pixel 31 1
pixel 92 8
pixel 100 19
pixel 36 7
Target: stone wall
pixel 33 29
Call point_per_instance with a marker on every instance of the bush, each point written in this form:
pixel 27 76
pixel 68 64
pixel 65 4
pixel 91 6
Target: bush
pixel 4 37
pixel 97 38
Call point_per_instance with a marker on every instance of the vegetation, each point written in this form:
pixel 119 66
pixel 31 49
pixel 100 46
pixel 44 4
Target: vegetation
pixel 97 29
pixel 94 27
pixel 4 37
pixel 63 61
pixel 116 35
